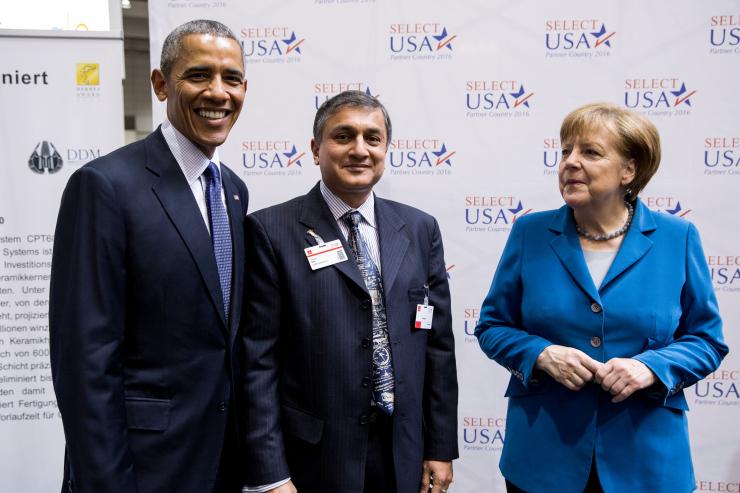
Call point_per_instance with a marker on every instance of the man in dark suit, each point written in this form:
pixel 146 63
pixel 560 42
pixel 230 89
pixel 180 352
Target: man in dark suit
pixel 343 393
pixel 146 289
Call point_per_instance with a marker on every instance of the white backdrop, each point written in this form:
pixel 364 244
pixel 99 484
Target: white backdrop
pixel 476 91
pixel 64 108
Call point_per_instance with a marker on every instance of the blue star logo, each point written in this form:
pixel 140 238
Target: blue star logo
pixel 292 153
pixel 518 94
pixel 675 210
pixel 443 152
pixel 679 93
pixel 518 208
pixel 441 39
pixel 598 34
pixel 292 40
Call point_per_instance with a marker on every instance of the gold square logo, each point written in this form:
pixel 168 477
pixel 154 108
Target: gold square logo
pixel 88 74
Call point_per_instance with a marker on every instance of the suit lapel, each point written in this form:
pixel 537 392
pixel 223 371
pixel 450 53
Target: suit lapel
pixel 568 249
pixel 316 215
pixel 635 244
pixel 236 220
pixel 177 199
pixel 393 242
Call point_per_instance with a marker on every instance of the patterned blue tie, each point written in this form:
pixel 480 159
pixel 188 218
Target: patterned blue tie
pixel 220 231
pixel 383 384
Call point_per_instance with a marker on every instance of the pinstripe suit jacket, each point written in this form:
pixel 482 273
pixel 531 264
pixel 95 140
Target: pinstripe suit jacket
pixel 307 349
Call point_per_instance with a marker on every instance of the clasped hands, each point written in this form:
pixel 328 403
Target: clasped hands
pixel 573 368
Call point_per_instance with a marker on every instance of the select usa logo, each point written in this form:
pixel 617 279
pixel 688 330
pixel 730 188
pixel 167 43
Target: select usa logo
pixel 275 157
pixel 325 90
pixel 551 155
pixel 87 80
pixel 420 41
pixel 722 156
pixel 483 433
pixel 271 45
pixel 659 96
pixel 668 204
pixel 470 320
pixel 724 34
pixel 421 156
pixel 497 98
pixel 492 214
pixel 721 388
pixel 579 38
pixel 725 272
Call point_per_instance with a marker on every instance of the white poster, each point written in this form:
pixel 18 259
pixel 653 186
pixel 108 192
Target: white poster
pixel 62 106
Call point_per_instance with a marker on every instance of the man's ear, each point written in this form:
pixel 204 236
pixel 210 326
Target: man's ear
pixel 315 151
pixel 159 84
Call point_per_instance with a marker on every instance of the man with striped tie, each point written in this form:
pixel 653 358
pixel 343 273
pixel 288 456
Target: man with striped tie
pixel 350 377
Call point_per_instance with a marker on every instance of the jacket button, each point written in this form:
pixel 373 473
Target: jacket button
pixel 595 307
pixel 364 419
pixel 366 343
pixel 596 341
pixel 221 407
pixel 366 382
pixel 366 304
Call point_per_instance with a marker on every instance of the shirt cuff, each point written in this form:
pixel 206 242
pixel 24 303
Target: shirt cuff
pixel 264 488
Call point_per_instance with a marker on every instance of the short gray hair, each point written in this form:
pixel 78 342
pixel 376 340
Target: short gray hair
pixel 355 99
pixel 173 42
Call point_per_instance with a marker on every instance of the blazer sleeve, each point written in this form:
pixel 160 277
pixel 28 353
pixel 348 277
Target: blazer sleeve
pixel 86 325
pixel 698 346
pixel 261 326
pixel 440 380
pixel 499 331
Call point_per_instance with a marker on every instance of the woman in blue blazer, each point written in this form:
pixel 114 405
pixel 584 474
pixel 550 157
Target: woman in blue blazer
pixel 603 311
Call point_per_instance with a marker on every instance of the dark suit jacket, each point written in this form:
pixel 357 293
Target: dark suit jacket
pixel 308 352
pixel 142 358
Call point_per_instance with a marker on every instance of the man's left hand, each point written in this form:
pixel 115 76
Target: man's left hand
pixel 624 376
pixel 436 473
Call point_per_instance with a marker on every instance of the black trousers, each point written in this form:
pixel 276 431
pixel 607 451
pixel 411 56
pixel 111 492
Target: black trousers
pixel 592 486
pixel 380 475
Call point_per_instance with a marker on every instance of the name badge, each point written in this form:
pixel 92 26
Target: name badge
pixel 424 314
pixel 325 254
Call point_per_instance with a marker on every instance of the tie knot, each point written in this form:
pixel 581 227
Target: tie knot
pixel 353 218
pixel 212 172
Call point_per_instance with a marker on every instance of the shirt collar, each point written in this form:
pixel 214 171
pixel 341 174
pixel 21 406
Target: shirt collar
pixel 191 160
pixel 339 208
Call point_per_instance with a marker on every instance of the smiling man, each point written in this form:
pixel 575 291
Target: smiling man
pixel 350 378
pixel 146 290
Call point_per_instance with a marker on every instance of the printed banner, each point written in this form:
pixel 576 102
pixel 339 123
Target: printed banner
pixel 62 106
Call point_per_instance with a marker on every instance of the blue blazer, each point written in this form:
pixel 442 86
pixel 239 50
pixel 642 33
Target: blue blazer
pixel 307 349
pixel 143 357
pixel 656 304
